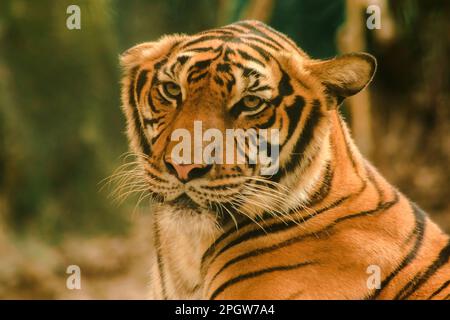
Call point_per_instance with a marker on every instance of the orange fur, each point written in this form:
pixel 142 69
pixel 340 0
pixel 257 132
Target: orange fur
pixel 311 231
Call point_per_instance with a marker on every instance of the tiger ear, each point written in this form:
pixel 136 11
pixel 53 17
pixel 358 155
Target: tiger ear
pixel 149 50
pixel 136 55
pixel 345 75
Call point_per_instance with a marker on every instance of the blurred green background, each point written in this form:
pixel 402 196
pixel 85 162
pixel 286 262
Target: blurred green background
pixel 61 127
pixel 62 130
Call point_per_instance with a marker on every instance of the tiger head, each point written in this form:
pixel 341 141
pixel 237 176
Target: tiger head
pixel 241 76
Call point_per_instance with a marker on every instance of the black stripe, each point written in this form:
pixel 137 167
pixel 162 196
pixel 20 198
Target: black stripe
pixel 174 65
pixel 227 53
pixel 294 111
pixel 224 38
pixel 226 29
pixel 306 164
pixel 263 53
pixel 198 40
pixel 282 36
pixel 183 59
pixel 306 136
pixel 260 41
pixel 223 67
pixel 152 121
pixel 151 104
pixel 249 57
pixel 279 226
pixel 195 77
pixel 444 285
pixel 422 277
pixel 324 189
pixel 233 28
pixel 260 33
pixel 168 71
pixel 161 99
pixel 154 138
pixel 225 187
pixel 219 31
pixel 221 238
pixel 143 143
pixel 141 80
pixel 247 72
pixel 256 274
pixel 284 88
pixel 256 83
pixel 156 68
pixel 419 230
pixel 230 83
pixel 218 80
pixel 380 207
pixel 201 49
pixel 254 87
pixel 372 179
pixel 201 65
pixel 269 123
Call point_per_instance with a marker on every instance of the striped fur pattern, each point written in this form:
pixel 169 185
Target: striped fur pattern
pixel 312 230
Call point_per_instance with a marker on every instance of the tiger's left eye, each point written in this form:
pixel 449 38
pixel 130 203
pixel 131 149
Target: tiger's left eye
pixel 252 102
pixel 172 90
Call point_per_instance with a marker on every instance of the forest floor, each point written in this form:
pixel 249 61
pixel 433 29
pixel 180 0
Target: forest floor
pixel 111 267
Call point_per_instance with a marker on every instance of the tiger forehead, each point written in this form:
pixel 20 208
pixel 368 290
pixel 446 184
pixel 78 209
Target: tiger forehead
pixel 232 69
pixel 247 57
pixel 221 59
pixel 252 34
pixel 248 45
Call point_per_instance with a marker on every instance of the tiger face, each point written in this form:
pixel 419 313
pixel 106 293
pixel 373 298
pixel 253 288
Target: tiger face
pixel 243 76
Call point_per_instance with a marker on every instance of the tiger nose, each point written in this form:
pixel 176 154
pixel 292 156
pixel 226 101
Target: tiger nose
pixel 187 172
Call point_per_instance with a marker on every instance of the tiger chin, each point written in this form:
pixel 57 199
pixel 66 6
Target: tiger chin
pixel 326 225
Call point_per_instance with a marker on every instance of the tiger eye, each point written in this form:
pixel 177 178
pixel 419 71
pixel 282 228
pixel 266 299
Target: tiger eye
pixel 172 89
pixel 252 102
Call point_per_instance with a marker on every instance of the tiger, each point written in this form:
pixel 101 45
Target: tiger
pixel 326 225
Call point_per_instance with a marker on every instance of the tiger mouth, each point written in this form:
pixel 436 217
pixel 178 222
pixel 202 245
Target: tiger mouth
pixel 184 202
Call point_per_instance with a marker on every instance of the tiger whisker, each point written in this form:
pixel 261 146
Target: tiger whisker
pixel 117 175
pixel 299 201
pixel 121 198
pixel 233 202
pixel 143 195
pixel 278 213
pixel 244 200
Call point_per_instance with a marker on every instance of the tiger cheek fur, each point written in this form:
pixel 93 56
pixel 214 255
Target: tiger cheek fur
pixel 313 229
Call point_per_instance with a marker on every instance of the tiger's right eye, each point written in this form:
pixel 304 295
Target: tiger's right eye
pixel 252 102
pixel 172 90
